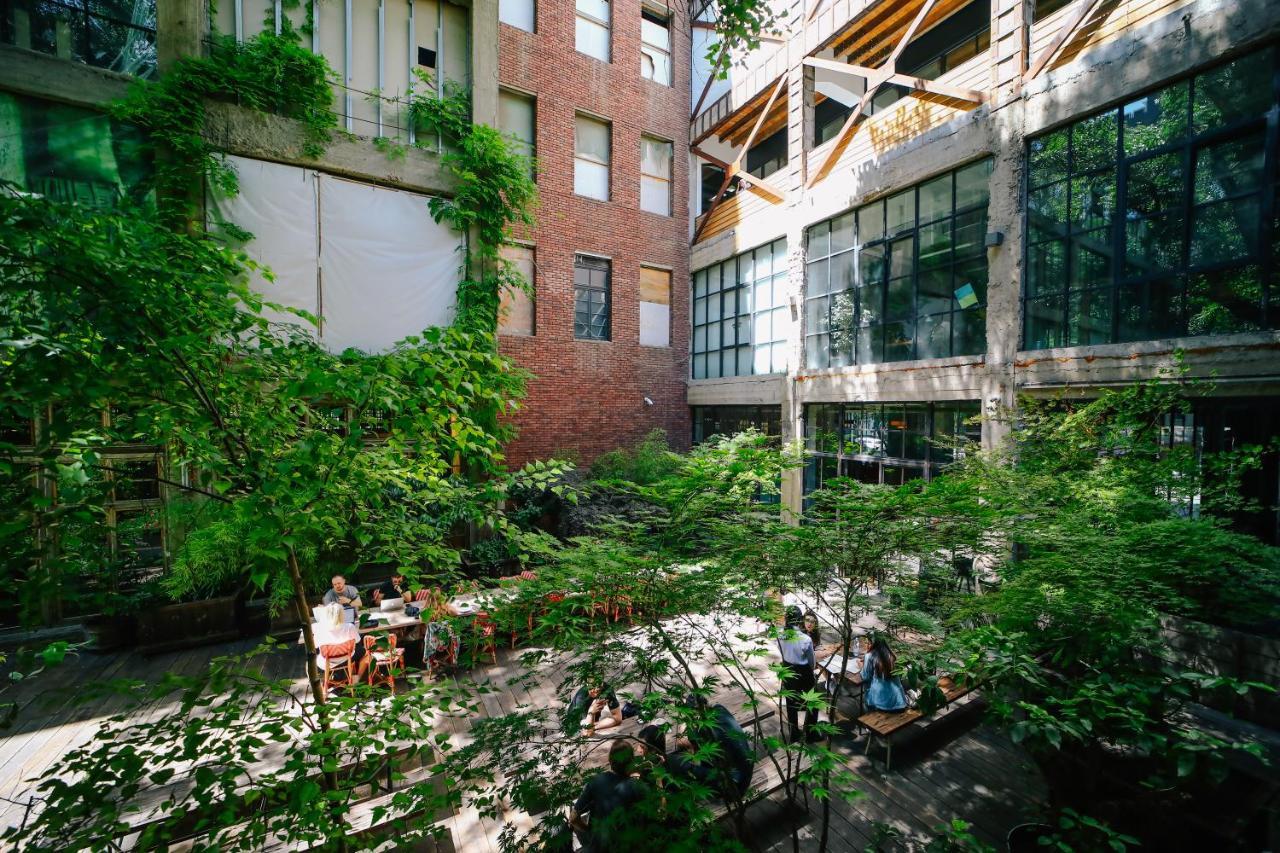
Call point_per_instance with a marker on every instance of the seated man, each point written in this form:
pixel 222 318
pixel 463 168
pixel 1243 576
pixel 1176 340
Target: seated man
pixel 731 772
pixel 592 709
pixel 605 801
pixel 395 587
pixel 343 593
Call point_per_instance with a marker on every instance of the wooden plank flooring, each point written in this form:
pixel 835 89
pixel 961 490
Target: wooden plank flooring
pixel 959 768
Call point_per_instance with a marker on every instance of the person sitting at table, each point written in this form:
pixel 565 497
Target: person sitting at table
pixel 606 801
pixel 592 709
pixel 812 628
pixel 395 587
pixel 884 689
pixel 799 658
pixel 334 630
pixel 731 772
pixel 343 593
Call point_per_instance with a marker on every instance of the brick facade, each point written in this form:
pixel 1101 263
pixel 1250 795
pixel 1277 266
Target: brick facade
pixel 587 397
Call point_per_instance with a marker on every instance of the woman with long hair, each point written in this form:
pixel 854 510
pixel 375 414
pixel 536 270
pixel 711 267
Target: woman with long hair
pixel 884 689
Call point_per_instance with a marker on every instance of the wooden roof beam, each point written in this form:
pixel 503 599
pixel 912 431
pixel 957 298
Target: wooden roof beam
pixel 1070 26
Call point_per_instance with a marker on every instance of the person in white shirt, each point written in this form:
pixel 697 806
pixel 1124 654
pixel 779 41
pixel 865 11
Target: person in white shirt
pixel 334 630
pixel 799 658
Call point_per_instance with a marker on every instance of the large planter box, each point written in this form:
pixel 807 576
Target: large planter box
pixel 176 626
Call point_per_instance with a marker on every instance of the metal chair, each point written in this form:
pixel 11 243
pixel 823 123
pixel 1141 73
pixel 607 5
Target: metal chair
pixel 486 634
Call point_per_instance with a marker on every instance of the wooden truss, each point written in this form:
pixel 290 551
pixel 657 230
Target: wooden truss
pixel 1071 24
pixel 731 170
pixel 877 77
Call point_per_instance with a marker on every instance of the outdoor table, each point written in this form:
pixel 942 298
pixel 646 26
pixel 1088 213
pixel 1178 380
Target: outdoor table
pixel 473 603
pixel 389 620
pixel 852 676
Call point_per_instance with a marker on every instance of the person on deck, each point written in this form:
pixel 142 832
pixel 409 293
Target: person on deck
pixel 395 587
pixel 884 689
pixel 606 801
pixel 799 658
pixel 334 630
pixel 593 709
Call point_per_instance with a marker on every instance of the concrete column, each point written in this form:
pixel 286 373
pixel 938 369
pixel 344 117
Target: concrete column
pixel 484 62
pixel 799 123
pixel 1005 269
pixel 182 26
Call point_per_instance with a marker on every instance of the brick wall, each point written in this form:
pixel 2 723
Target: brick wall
pixel 587 397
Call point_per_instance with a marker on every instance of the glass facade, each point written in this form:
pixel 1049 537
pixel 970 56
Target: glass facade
pixel 740 315
pixel 901 278
pixel 1158 218
pixel 119 35
pixel 884 443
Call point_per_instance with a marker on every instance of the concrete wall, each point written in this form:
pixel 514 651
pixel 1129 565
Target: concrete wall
pixel 1117 60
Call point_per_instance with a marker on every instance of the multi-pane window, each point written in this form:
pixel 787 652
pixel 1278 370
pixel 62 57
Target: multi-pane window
pixel 516 307
pixel 740 315
pixel 655 47
pixel 710 421
pixel 885 443
pixel 655 175
pixel 655 307
pixel 591 298
pixel 768 156
pixel 518 13
pixel 119 35
pixel 591 154
pixel 591 30
pixel 516 118
pixel 901 278
pixel 1157 218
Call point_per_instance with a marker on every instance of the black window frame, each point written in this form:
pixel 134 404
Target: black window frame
pixel 583 324
pixel 1127 294
pixel 862 342
pixel 85 20
pixel 742 291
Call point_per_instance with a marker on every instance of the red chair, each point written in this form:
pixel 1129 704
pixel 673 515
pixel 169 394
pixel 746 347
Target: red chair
pixel 339 671
pixel 386 664
pixel 486 634
pixel 527 575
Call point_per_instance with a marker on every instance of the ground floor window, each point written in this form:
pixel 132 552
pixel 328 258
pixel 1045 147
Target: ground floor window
pixel 884 443
pixel 710 421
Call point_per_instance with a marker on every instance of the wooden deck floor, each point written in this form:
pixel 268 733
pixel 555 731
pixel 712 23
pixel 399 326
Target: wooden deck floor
pixel 961 768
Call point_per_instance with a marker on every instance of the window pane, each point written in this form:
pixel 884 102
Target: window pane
pixel 1236 90
pixel 591 138
pixel 655 195
pixel 934 291
pixel 871 264
pixel 816 278
pixel 870 344
pixel 1229 168
pixel 842 233
pixel 820 240
pixel 1093 200
pixel 901 301
pixel 935 198
pixel 871 222
pixel 1155 184
pixel 1225 231
pixel 592 39
pixel 517 13
pixel 1224 301
pixel 1046 268
pixel 969 332
pixel 816 316
pixel 1093 142
pixel 1049 155
pixel 973 184
pixel 515 309
pixel 1047 211
pixel 655 157
pixel 1149 310
pixel 971 232
pixel 898 340
pixel 842 272
pixel 1044 323
pixel 901 211
pixel 1156 119
pixel 1089 317
pixel 816 351
pixel 591 180
pixel 1153 244
pixel 934 336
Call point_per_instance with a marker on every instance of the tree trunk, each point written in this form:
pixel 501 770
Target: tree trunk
pixel 329 779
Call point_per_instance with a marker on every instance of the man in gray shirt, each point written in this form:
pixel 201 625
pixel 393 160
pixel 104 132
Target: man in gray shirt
pixel 343 593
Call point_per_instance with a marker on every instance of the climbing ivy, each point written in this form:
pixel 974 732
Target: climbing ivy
pixel 268 73
pixel 495 194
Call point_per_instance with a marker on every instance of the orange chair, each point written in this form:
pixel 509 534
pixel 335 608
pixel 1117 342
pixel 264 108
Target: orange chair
pixel 386 664
pixel 339 671
pixel 486 634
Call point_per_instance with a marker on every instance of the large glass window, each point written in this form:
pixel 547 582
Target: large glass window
pixel 591 29
pixel 885 443
pixel 592 298
pixel 655 47
pixel 655 175
pixel 591 155
pixel 710 421
pixel 740 315
pixel 900 278
pixel 767 156
pixel 119 35
pixel 1155 219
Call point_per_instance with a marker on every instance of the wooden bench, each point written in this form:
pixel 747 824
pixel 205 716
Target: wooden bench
pixel 883 725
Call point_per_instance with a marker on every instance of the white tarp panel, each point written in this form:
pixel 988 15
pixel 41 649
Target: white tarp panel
pixel 655 325
pixel 389 270
pixel 277 204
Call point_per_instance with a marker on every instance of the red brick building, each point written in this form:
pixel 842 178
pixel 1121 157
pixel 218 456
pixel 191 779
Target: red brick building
pixel 608 358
